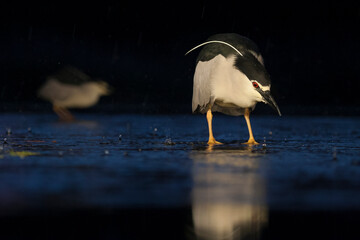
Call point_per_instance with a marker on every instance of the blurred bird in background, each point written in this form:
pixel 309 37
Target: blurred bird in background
pixel 71 88
pixel 230 77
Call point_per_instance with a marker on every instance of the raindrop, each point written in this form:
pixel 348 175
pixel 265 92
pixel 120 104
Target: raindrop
pixel 203 12
pixel 115 55
pixel 30 33
pixel 140 37
pixel 74 31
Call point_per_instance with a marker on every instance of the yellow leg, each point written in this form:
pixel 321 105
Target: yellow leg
pixel 63 113
pixel 247 118
pixel 212 140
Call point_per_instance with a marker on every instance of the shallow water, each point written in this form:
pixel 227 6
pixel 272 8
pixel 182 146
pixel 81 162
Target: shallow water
pixel 158 169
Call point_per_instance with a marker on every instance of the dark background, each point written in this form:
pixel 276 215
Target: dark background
pixel 310 50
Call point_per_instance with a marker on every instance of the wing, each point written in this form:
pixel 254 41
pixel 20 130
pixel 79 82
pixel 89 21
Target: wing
pixel 202 98
pixel 71 75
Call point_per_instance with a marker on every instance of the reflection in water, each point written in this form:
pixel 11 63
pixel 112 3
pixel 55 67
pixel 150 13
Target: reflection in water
pixel 228 198
pixel 79 123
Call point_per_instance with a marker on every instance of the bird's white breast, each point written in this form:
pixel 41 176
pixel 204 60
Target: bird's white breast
pixel 228 85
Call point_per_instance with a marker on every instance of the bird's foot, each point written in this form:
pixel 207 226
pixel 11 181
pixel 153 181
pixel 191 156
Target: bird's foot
pixel 64 114
pixel 251 141
pixel 212 141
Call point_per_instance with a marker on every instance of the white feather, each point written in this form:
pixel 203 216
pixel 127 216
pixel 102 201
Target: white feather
pixel 71 96
pixel 231 86
pixel 217 82
pixel 215 41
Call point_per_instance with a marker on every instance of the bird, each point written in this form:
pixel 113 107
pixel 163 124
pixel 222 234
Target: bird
pixel 71 88
pixel 230 77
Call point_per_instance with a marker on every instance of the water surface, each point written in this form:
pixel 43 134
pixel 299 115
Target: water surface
pixel 127 175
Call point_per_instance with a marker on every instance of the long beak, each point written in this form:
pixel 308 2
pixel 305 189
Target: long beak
pixel 270 100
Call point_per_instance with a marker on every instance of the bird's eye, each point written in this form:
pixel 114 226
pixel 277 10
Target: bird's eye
pixel 255 84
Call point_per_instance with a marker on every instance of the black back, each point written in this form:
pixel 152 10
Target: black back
pixel 241 43
pixel 248 63
pixel 252 68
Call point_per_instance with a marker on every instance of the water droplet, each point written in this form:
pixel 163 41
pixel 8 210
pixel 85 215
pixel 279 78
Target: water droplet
pixel 169 142
pixel 334 153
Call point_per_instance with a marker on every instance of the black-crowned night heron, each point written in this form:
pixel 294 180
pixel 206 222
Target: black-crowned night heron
pixel 71 88
pixel 230 77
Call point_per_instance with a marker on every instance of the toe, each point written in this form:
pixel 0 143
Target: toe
pixel 251 142
pixel 213 142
